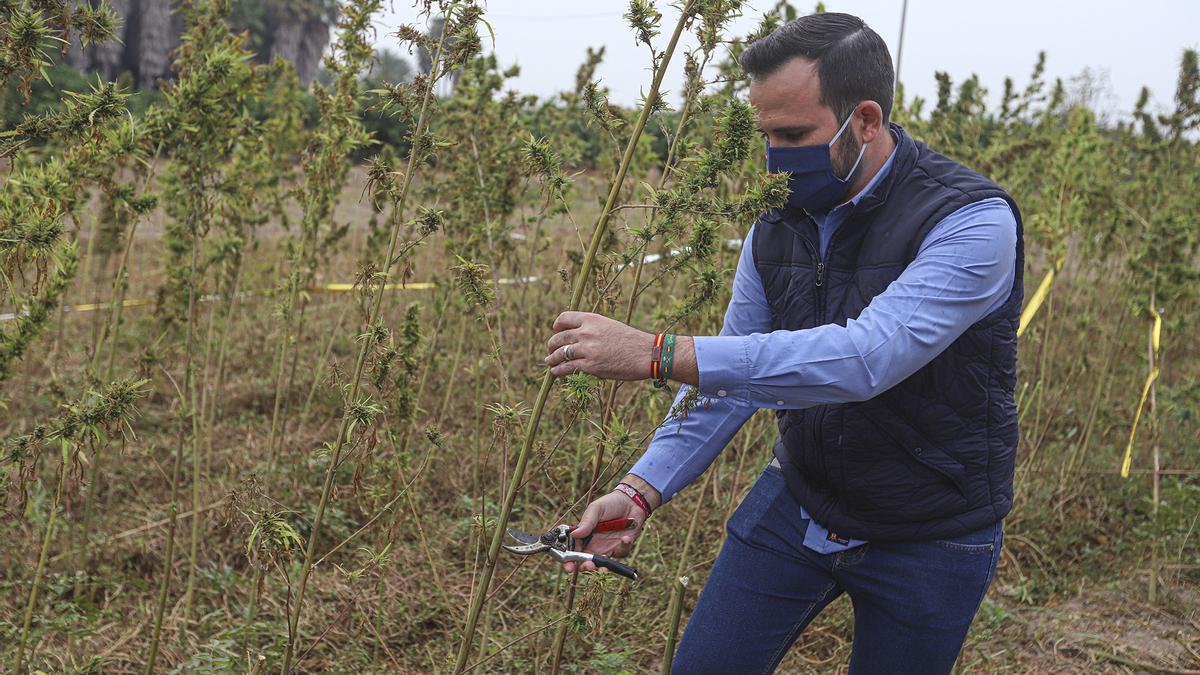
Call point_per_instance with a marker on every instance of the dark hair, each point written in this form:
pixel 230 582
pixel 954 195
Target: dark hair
pixel 853 62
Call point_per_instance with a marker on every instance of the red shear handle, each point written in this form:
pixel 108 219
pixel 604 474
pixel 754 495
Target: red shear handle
pixel 610 525
pixel 615 524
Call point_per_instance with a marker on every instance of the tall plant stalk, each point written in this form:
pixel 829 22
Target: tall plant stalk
pixel 676 610
pixel 414 158
pixel 89 420
pixel 110 330
pixel 209 398
pixel 189 590
pixel 581 283
pixel 206 387
pixel 681 581
pixel 184 411
pixel 213 67
pixel 281 352
pixel 324 171
pixel 47 537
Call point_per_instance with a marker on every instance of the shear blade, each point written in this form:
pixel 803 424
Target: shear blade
pixel 523 537
pixel 531 543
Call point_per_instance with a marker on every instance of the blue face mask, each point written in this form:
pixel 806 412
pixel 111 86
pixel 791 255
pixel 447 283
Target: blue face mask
pixel 814 185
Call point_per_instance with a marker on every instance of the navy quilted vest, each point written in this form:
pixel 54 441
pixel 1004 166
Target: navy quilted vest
pixel 932 457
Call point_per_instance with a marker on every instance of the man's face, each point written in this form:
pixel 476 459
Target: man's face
pixel 790 113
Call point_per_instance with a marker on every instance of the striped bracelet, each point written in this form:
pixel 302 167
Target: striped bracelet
pixel 662 359
pixel 632 492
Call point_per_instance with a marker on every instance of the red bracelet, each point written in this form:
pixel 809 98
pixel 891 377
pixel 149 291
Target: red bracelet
pixel 631 492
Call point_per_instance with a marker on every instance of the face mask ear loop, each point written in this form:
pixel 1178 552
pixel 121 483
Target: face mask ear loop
pixel 861 150
pixel 843 128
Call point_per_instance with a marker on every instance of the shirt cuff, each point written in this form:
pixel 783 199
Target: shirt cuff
pixel 723 364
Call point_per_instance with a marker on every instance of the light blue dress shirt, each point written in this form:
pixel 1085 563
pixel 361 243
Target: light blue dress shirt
pixel 963 271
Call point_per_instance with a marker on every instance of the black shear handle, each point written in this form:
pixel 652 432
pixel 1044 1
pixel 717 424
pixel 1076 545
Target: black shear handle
pixel 620 568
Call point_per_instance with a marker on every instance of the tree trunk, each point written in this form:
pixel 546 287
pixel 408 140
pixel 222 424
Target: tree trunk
pixel 300 41
pixel 161 27
pixel 150 32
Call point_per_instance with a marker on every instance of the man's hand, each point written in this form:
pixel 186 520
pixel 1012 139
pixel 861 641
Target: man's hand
pixel 611 350
pixel 613 505
pixel 600 346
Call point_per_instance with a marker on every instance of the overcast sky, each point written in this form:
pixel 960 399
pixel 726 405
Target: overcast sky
pixel 1128 44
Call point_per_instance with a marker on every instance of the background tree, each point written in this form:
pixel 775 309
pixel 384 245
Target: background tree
pixel 293 30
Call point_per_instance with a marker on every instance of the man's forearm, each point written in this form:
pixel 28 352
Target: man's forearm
pixel 683 448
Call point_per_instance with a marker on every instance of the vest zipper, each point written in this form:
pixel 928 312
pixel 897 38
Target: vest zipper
pixel 821 266
pixel 818 421
pixel 815 417
pixel 819 270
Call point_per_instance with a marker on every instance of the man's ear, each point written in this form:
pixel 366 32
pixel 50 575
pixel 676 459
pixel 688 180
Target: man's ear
pixel 869 120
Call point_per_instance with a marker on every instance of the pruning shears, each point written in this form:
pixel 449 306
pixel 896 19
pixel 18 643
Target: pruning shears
pixel 561 546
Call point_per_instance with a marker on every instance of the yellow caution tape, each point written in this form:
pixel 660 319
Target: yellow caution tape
pixel 91 307
pixel 346 288
pixel 331 288
pixel 1039 297
pixel 321 288
pixel 1155 337
pixel 1035 302
pixel 95 306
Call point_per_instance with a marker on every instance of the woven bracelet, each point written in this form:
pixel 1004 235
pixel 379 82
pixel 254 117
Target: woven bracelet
pixel 666 360
pixel 632 492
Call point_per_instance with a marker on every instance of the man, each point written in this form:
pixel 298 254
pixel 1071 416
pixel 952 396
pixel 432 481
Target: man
pixel 876 314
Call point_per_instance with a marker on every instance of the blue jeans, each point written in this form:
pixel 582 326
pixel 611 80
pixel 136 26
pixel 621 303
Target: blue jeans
pixel 913 601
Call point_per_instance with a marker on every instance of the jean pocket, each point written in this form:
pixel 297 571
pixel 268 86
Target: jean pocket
pixel 984 540
pixel 769 517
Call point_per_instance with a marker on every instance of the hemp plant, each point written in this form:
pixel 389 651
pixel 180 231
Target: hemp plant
pixel 661 62
pixel 201 113
pixel 553 144
pixel 57 159
pixel 38 261
pixel 338 134
pixel 253 185
pixel 30 33
pixel 482 182
pixel 695 207
pixel 457 43
pixel 83 424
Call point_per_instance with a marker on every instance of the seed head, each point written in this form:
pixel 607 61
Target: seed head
pixel 473 282
pixel 644 19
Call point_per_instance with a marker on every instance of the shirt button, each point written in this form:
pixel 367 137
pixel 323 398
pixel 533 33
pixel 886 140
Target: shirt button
pixel 778 402
pixel 721 392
